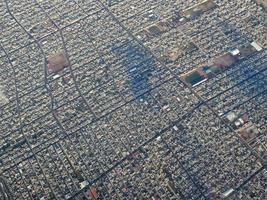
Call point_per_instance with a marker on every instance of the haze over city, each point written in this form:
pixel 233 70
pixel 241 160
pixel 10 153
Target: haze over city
pixel 133 100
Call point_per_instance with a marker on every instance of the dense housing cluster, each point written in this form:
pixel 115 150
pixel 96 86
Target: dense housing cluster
pixel 133 99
